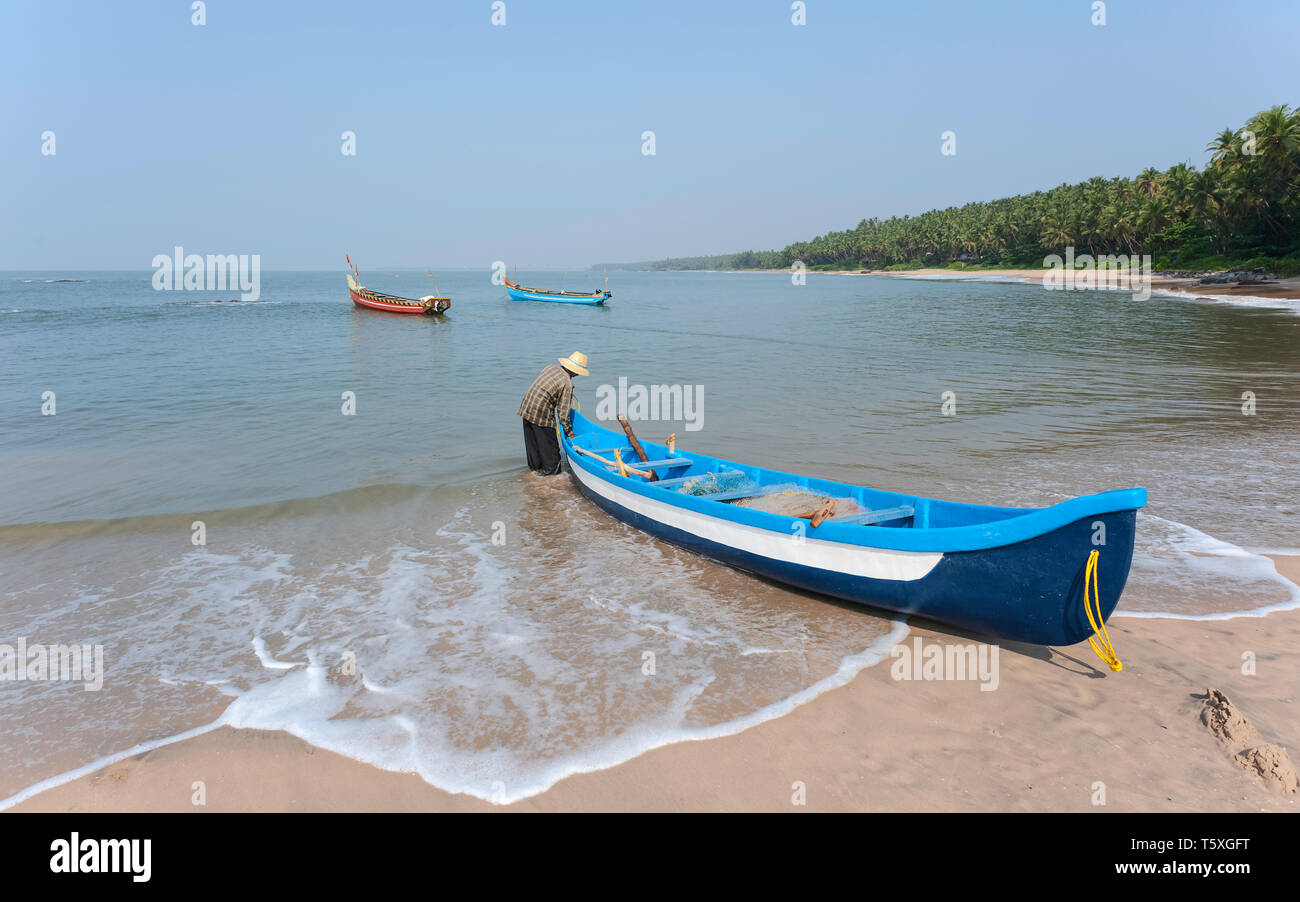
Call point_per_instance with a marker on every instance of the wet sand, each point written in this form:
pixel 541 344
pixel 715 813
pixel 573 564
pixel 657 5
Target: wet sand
pixel 1057 727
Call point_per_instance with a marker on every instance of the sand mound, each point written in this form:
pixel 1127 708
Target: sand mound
pixel 1272 764
pixel 1265 760
pixel 1224 720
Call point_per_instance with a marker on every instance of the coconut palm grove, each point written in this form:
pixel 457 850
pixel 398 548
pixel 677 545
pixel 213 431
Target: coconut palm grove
pixel 1241 211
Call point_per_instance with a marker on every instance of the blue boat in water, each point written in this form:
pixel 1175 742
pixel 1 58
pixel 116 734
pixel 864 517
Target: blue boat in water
pixel 519 293
pixel 1049 576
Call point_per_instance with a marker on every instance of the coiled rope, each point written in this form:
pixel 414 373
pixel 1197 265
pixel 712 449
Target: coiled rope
pixel 1104 650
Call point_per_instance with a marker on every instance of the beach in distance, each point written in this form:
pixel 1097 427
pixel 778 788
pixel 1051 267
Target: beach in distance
pixel 1275 292
pixel 351 636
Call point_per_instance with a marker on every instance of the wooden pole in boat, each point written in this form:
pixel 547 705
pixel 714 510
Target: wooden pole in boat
pixel 436 292
pixel 645 474
pixel 636 445
pixel 672 444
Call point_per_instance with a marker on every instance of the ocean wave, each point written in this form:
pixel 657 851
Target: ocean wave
pixel 384 624
pixel 1007 278
pixel 305 705
pixel 482 668
pixel 1174 562
pixel 235 302
pixel 99 763
pixel 1291 305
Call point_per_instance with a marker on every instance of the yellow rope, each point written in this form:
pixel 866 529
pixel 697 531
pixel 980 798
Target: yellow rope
pixel 1104 651
pixel 622 467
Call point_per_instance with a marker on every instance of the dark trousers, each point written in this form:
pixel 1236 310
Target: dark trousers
pixel 543 449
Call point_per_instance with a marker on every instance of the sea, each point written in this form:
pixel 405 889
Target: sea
pixel 288 513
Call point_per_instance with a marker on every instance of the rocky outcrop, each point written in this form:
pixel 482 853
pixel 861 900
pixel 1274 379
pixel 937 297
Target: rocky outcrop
pixel 1248 276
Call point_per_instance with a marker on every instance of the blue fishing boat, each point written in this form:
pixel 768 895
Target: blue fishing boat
pixel 519 293
pixel 1049 576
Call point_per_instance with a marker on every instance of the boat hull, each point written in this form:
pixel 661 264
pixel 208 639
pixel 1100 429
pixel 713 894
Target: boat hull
pixel 374 300
pixel 1030 590
pixel 524 294
pixel 375 304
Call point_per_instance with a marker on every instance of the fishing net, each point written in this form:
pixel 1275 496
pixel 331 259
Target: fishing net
pixel 713 483
pixel 792 501
pixel 787 499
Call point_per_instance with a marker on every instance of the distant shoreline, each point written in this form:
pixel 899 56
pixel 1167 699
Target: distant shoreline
pixel 1279 289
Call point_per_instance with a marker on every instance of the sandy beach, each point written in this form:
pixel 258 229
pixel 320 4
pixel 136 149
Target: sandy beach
pixel 1287 289
pixel 1057 727
pixel 1281 289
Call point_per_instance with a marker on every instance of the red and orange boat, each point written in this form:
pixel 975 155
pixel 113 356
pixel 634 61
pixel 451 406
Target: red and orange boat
pixel 374 300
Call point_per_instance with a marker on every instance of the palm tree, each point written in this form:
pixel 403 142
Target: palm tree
pixel 1244 203
pixel 1148 182
pixel 1178 185
pixel 1224 147
pixel 1274 168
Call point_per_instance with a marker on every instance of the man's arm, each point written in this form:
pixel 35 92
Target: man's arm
pixel 565 408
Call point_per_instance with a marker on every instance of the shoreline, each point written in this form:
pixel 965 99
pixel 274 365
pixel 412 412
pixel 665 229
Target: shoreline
pixel 1285 289
pixel 1280 289
pixel 1055 729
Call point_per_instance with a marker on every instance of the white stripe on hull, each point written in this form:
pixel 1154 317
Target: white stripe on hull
pixel 854 560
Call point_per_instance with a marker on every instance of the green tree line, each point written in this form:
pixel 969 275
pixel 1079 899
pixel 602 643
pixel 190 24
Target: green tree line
pixel 1242 209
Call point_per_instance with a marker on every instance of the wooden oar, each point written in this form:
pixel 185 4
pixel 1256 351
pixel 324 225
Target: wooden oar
pixel 636 445
pixel 609 463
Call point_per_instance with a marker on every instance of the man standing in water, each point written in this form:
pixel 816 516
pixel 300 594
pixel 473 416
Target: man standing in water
pixel 551 392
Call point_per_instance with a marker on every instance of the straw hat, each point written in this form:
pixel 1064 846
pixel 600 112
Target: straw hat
pixel 575 363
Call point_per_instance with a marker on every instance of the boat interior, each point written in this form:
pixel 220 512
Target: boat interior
pixel 726 482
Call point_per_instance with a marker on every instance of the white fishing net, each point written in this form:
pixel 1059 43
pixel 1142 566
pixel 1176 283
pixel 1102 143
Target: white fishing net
pixel 788 499
pixel 793 501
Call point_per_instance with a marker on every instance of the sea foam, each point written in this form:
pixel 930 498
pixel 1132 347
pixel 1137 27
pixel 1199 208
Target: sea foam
pixel 497 671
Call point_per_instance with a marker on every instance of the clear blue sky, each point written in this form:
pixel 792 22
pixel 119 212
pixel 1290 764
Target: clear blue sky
pixel 523 143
